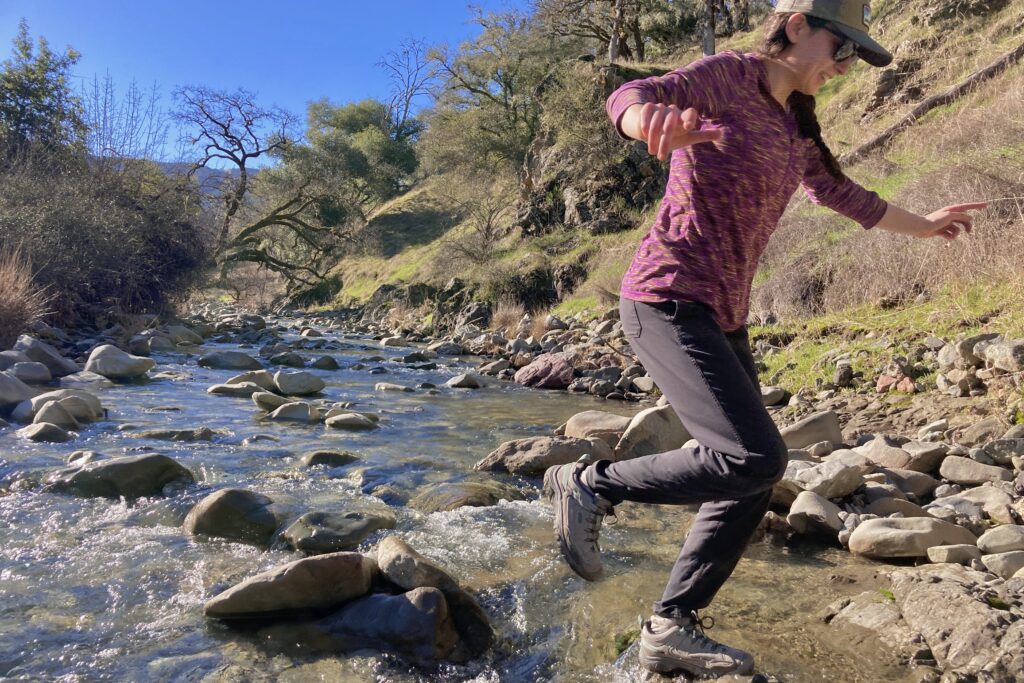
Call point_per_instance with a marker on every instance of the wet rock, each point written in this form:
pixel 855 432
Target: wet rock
pixel 905 537
pixel 229 360
pixel 325 363
pixel 874 612
pixel 289 359
pixel 130 477
pixel 1004 565
pixel 653 430
pixel 328 532
pixel 495 367
pixel 394 342
pixel 297 411
pixel 234 514
pixel 1002 539
pixel 44 432
pixel 113 363
pixel 597 424
pixel 9 358
pixel 79 458
pixel 407 569
pixel 453 495
pixel 814 514
pixel 181 334
pixel 389 386
pixel 56 414
pixel 822 426
pixel 416 625
pixel 350 422
pixel 86 379
pixel 268 401
pixel 298 383
pixel 262 378
pixel 242 390
pixel 962 554
pixel 531 456
pixel 328 458
pixel 464 381
pixel 182 435
pixel 311 584
pixel 547 371
pixel 84 406
pixel 41 352
pixel 960 470
pixel 13 390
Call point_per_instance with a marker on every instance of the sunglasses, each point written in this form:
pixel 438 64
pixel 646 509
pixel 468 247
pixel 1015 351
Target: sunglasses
pixel 847 48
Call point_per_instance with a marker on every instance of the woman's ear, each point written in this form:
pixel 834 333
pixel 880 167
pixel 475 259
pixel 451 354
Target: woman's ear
pixel 797 27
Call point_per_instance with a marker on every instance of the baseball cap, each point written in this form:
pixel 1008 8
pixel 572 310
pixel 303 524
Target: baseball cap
pixel 852 18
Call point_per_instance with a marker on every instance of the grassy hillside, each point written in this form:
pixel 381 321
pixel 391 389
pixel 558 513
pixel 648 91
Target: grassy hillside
pixel 821 273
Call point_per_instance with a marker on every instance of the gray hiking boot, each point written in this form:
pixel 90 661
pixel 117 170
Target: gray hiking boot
pixel 668 645
pixel 578 515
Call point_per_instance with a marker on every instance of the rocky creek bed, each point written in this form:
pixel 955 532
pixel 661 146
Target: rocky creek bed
pixel 316 499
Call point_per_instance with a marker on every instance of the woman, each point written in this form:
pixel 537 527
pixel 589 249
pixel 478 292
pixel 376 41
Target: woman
pixel 742 135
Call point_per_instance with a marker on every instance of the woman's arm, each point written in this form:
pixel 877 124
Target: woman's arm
pixel 947 222
pixel 665 128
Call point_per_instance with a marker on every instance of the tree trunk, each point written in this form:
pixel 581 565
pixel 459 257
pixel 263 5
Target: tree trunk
pixel 615 38
pixel 729 27
pixel 743 15
pixel 709 27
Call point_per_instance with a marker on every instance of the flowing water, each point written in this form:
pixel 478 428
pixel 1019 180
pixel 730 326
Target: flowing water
pixel 101 590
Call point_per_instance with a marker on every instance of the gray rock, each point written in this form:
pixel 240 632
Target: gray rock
pixel 389 386
pixel 905 537
pixel 180 334
pixel 653 430
pixel 32 372
pixel 56 414
pixel 883 507
pixel 531 456
pixel 924 456
pixel 328 532
pixel 850 458
pixel 325 363
pixel 1002 539
pixel 84 379
pixel 44 432
pixel 1003 450
pixel 823 426
pixel 9 358
pixel 956 554
pixel 181 435
pixel 350 422
pixel 407 569
pixel 298 383
pixel 773 396
pixel 983 431
pixel 960 470
pixel 829 479
pixel 289 359
pixel 312 583
pixel 130 477
pixel 453 495
pixel 297 411
pixel 1007 356
pixel 41 352
pixel 85 407
pixel 813 514
pixel 229 360
pixel 495 367
pixel 1004 565
pixel 464 381
pixel 918 484
pixel 79 458
pixel 234 514
pixel 995 503
pixel 242 390
pixel 268 401
pixel 261 378
pixel 884 452
pixel 113 363
pixel 13 390
pixel 416 625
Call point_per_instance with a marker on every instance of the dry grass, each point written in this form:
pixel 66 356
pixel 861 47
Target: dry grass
pixel 256 289
pixel 23 302
pixel 506 316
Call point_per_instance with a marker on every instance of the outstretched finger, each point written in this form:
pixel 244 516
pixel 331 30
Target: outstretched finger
pixel 969 206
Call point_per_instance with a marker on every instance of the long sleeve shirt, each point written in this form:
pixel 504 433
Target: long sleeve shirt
pixel 724 199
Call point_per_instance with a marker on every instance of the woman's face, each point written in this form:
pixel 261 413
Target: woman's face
pixel 810 56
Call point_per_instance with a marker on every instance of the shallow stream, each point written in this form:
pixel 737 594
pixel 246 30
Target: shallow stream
pixel 101 590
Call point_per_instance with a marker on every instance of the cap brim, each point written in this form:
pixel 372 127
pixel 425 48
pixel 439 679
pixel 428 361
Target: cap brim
pixel 867 49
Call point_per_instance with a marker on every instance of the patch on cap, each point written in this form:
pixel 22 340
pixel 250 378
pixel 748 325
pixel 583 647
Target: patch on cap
pixel 867 14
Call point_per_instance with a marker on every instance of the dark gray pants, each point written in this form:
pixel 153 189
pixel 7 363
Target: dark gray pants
pixel 711 382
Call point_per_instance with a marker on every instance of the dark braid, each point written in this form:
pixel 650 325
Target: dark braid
pixel 775 41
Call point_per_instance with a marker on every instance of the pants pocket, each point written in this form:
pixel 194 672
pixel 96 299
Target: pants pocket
pixel 630 319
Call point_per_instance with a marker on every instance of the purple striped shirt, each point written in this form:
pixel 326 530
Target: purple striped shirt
pixel 724 199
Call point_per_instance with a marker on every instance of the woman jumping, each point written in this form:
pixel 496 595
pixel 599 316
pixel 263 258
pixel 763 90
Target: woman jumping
pixel 742 135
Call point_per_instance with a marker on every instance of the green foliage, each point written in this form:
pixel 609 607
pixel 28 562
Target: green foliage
pixel 995 602
pixel 37 105
pixel 624 639
pixel 887 594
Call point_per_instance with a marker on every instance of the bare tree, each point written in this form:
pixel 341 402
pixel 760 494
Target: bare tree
pixel 129 127
pixel 411 72
pixel 230 128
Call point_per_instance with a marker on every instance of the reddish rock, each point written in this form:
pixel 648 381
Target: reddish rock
pixel 548 371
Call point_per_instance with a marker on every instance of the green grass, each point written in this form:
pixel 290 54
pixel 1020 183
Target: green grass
pixel 588 306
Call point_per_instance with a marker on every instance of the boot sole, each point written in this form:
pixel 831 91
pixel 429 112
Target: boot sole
pixel 666 664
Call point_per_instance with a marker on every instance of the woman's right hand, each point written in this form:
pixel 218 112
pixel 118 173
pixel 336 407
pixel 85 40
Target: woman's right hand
pixel 666 128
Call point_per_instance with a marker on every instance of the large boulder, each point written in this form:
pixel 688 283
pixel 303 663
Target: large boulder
pixel 547 371
pixel 229 360
pixel 234 514
pixel 409 570
pixel 597 424
pixel 905 537
pixel 531 456
pixel 298 383
pixel 885 452
pixel 1002 539
pixel 653 430
pixel 814 514
pixel 823 426
pixel 960 470
pixel 1004 565
pixel 31 372
pixel 312 584
pixel 329 532
pixel 1007 356
pixel 827 479
pixel 416 625
pixel 113 363
pixel 261 378
pixel 132 476
pixel 41 352
pixel 13 390
pixel 44 432
pixel 83 405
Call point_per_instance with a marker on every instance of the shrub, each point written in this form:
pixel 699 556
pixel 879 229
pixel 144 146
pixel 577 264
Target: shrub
pixel 23 302
pixel 507 315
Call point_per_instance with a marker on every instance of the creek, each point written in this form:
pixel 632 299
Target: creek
pixel 99 590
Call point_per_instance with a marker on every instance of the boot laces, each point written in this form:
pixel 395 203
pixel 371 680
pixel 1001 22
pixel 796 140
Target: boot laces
pixel 698 626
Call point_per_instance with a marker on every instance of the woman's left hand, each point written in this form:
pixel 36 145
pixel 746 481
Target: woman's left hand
pixel 950 221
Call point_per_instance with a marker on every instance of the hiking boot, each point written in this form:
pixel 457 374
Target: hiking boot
pixel 578 515
pixel 669 645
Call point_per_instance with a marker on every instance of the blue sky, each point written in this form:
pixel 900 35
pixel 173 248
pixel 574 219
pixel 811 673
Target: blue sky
pixel 287 52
